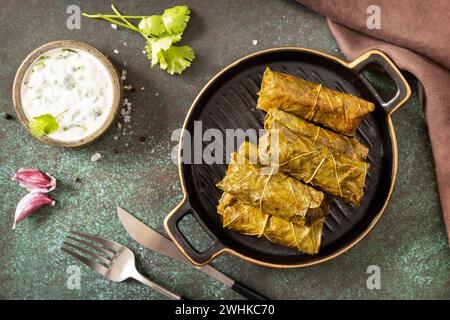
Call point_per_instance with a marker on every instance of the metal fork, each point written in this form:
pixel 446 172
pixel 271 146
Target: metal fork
pixel 117 261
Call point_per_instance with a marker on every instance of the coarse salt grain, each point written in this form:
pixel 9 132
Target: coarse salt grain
pixel 255 42
pixel 116 51
pixel 96 156
pixel 113 25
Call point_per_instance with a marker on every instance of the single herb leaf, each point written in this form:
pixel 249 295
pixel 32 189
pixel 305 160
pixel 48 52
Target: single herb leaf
pixel 43 125
pixel 175 19
pixel 177 59
pixel 152 26
pixel 155 46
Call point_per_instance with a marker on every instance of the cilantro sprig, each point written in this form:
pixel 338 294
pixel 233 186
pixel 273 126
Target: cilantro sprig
pixel 44 124
pixel 161 32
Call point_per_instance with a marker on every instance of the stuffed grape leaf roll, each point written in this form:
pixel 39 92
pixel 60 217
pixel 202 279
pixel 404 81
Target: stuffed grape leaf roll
pixel 341 112
pixel 337 143
pixel 314 163
pixel 304 235
pixel 268 189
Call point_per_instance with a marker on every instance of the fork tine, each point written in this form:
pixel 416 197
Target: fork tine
pixel 94 266
pixel 93 255
pixel 90 245
pixel 107 243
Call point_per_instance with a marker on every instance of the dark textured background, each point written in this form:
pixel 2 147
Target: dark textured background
pixel 408 244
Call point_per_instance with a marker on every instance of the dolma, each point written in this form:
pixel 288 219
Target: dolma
pixel 268 189
pixel 304 235
pixel 314 164
pixel 341 112
pixel 337 143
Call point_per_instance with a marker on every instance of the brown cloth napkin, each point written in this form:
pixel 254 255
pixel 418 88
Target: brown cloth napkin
pixel 415 34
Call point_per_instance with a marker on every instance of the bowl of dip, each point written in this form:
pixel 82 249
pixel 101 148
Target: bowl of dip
pixel 73 82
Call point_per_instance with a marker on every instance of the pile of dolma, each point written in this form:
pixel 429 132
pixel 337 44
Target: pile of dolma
pixel 314 163
pixel 276 190
pixel 268 189
pixel 304 235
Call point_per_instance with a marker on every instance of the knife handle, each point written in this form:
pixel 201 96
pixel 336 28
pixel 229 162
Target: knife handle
pixel 247 292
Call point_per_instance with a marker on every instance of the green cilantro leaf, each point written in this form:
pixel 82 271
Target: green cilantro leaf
pixel 160 33
pixel 152 26
pixel 156 45
pixel 175 19
pixel 176 59
pixel 43 125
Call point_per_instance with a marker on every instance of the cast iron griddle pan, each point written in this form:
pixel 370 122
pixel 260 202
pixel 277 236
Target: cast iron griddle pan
pixel 228 101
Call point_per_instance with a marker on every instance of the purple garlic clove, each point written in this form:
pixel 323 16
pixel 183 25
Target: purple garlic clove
pixel 30 204
pixel 35 180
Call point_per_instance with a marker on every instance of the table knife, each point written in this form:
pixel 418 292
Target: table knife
pixel 152 240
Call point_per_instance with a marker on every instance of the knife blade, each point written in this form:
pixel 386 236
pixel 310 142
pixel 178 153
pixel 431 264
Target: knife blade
pixel 154 241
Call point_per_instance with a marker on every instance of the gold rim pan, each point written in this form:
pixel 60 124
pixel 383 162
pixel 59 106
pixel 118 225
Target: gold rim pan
pixel 228 101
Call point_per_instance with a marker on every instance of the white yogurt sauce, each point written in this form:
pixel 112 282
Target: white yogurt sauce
pixel 72 80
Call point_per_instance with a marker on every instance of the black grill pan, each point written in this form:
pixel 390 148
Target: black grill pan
pixel 228 102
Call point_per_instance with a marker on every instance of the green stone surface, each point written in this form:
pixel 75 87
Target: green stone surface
pixel 408 244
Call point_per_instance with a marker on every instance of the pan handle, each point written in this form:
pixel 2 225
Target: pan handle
pixel 379 58
pixel 171 224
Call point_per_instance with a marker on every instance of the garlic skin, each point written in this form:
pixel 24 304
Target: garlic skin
pixel 30 204
pixel 35 180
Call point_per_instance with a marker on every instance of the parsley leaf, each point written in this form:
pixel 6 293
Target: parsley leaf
pixel 175 19
pixel 152 26
pixel 154 46
pixel 172 21
pixel 176 59
pixel 160 33
pixel 44 124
